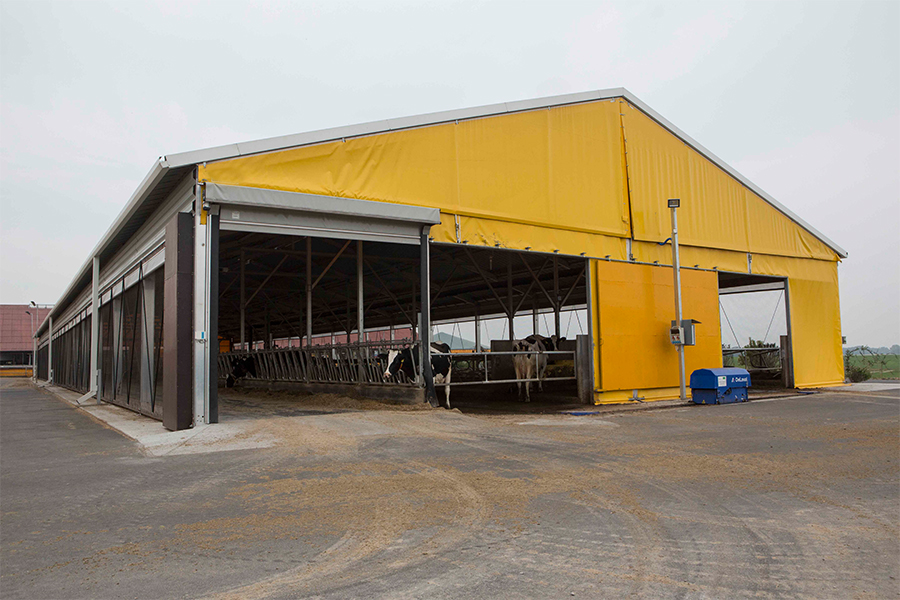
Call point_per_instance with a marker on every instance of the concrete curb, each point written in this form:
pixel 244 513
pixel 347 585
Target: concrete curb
pixel 154 439
pixel 665 404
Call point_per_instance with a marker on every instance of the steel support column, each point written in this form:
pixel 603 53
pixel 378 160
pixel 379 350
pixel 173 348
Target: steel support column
pixel 212 224
pixel 95 327
pixel 589 295
pixel 201 305
pixel 556 298
pixel 309 315
pixel 510 311
pixel 50 352
pixel 177 326
pixel 243 302
pixel 477 331
pixel 148 357
pixel 360 310
pixel 425 329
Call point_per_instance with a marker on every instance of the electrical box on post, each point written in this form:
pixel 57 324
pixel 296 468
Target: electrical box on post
pixel 688 336
pixel 676 335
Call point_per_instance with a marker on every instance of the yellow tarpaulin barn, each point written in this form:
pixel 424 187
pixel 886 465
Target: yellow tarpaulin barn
pixel 589 179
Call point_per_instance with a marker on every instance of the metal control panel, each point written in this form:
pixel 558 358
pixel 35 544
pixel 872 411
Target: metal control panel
pixel 676 335
pixel 683 334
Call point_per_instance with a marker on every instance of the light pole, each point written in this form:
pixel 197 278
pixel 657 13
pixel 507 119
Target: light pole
pixel 33 345
pixel 673 204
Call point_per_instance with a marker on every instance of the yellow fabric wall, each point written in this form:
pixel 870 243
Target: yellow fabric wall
pixel 503 234
pixel 814 305
pixel 717 211
pixel 560 168
pixel 702 258
pixel 633 307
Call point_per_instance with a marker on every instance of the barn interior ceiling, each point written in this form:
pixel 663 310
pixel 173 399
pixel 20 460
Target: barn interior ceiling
pixel 464 281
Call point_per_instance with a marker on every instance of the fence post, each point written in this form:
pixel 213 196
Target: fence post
pixel 584 368
pixel 787 368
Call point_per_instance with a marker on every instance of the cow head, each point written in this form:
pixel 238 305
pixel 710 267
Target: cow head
pixel 551 343
pixel 394 362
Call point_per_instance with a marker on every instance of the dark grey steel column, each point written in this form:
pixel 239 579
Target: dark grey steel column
pixel 243 302
pixel 309 314
pixel 425 328
pixel 360 314
pixel 790 332
pixel 510 314
pixel 212 222
pixel 556 298
pixel 589 285
pixel 178 324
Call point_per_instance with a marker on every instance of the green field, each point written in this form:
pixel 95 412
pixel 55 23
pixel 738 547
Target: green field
pixel 891 368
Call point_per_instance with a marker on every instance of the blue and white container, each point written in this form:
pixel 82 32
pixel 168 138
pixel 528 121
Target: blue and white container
pixel 719 386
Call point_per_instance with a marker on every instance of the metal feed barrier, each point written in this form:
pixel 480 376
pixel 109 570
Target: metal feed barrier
pixel 485 364
pixel 366 362
pixel 753 359
pixel 355 363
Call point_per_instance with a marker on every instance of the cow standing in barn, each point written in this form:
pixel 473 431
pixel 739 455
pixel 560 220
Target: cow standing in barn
pixel 241 366
pixel 545 344
pixel 526 365
pixel 406 361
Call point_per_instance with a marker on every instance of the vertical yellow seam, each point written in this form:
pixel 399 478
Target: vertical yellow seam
pixel 550 195
pixel 457 166
pixel 622 105
pixel 595 307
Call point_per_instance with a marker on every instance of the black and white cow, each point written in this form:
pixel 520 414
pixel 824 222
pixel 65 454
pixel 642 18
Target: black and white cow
pixel 241 366
pixel 546 344
pixel 526 365
pixel 407 361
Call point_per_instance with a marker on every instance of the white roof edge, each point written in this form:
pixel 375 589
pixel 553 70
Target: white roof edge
pixel 335 133
pixel 731 171
pixel 149 182
pixel 383 126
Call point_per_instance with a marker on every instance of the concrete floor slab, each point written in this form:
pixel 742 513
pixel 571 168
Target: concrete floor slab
pixel 796 498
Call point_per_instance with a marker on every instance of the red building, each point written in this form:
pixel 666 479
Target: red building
pixel 16 329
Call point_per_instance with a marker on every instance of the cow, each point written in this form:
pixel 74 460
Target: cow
pixel 406 361
pixel 241 366
pixel 547 344
pixel 526 365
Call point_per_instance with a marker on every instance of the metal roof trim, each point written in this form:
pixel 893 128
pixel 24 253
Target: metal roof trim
pixel 315 203
pixel 640 105
pixel 157 171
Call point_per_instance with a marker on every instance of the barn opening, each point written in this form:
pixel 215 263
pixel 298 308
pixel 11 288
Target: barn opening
pixel 755 327
pixel 314 308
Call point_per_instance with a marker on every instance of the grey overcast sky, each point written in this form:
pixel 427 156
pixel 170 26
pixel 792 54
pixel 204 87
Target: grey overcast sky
pixel 803 98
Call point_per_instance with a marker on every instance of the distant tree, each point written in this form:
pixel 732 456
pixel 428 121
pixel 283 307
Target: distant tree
pixel 857 370
pixel 763 360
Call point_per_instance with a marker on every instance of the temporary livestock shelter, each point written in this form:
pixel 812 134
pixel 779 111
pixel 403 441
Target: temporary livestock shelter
pixel 577 181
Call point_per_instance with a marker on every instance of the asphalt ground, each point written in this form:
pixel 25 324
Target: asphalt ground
pixel 784 498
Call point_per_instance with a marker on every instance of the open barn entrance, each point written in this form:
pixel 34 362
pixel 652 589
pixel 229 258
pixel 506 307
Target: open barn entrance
pixel 333 295
pixel 483 299
pixel 755 327
pixel 318 315
pixel 323 316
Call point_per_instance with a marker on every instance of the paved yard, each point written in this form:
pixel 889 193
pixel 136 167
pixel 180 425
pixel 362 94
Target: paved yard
pixel 786 498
